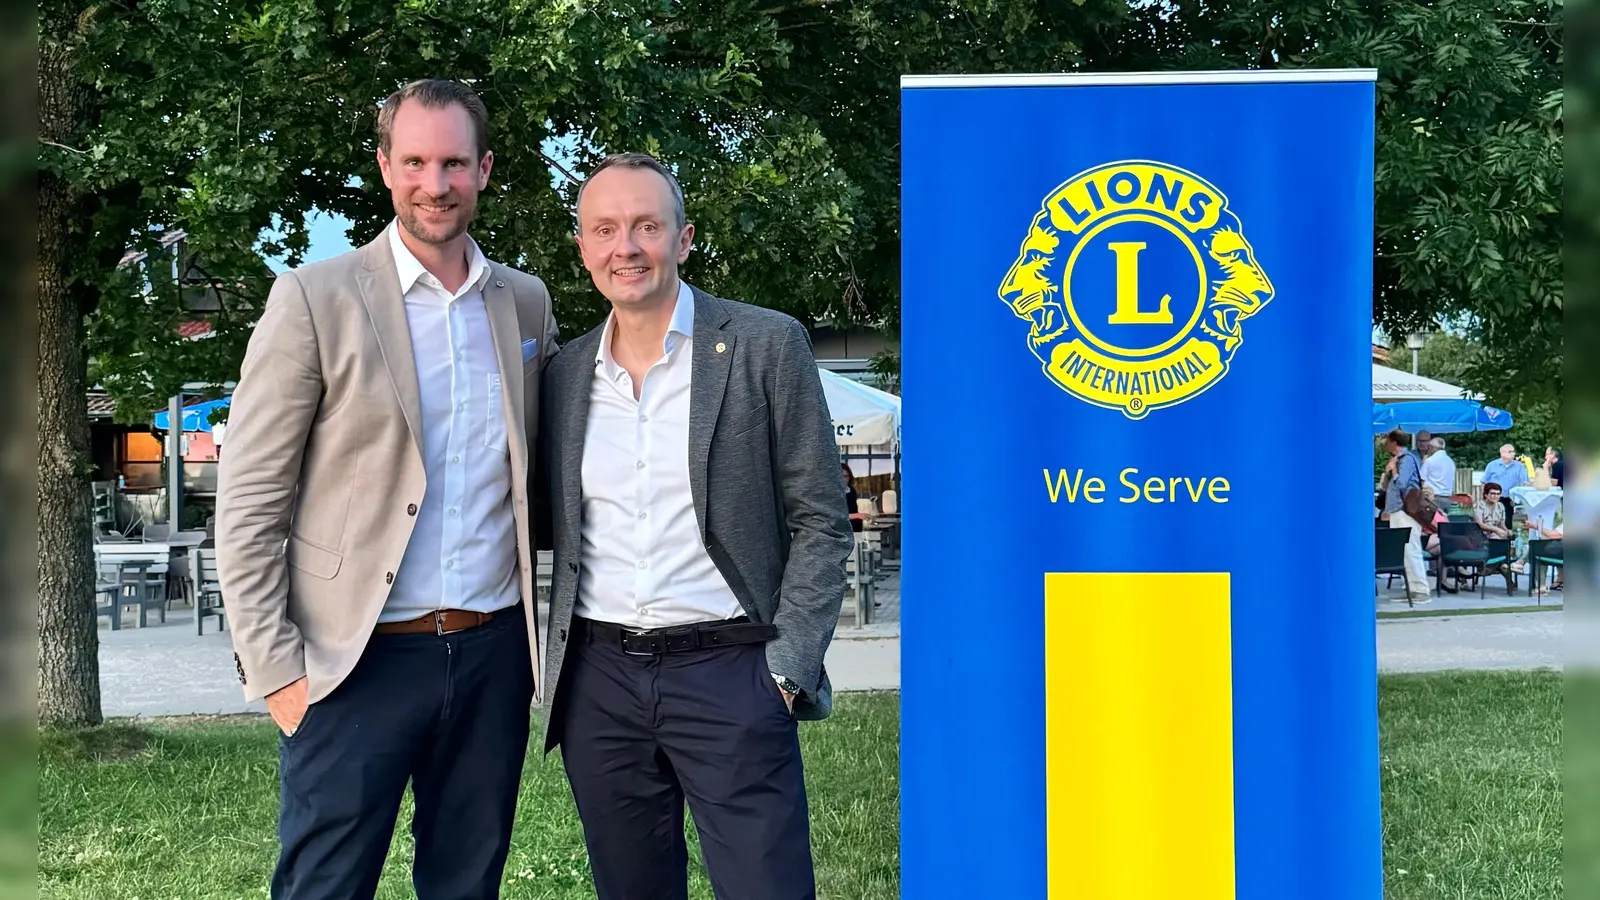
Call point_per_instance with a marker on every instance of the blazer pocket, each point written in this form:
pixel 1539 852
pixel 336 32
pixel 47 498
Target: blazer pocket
pixel 747 421
pixel 313 560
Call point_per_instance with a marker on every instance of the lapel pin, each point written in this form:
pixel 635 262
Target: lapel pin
pixel 499 283
pixel 721 347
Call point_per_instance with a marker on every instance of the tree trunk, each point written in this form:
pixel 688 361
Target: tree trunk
pixel 69 639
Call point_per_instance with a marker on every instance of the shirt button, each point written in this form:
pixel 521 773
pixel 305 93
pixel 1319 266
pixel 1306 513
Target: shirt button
pixel 455 459
pixel 639 464
pixel 452 513
pixel 644 418
pixel 642 513
pixel 642 564
pixel 411 510
pixel 388 578
pixel 450 564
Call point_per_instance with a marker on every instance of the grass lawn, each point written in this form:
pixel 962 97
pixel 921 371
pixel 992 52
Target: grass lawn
pixel 1471 791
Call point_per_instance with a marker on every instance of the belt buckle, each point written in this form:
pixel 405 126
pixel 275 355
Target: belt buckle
pixel 642 633
pixel 438 623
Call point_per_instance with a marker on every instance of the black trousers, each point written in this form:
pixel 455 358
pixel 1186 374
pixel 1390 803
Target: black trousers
pixel 448 713
pixel 642 734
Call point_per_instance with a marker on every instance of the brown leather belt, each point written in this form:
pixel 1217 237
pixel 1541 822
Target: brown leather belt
pixel 444 621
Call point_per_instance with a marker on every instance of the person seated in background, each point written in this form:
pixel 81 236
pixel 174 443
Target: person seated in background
pixel 851 500
pixel 1553 550
pixel 1490 513
pixel 1434 514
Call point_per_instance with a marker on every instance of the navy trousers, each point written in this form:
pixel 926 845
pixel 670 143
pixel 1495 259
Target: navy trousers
pixel 448 713
pixel 642 734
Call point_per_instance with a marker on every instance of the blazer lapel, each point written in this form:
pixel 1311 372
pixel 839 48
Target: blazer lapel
pixel 572 389
pixel 380 292
pixel 501 307
pixel 712 361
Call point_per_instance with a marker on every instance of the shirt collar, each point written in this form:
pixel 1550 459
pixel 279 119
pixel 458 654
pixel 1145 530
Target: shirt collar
pixel 410 269
pixel 680 327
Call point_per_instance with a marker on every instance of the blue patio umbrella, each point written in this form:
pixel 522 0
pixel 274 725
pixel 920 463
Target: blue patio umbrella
pixel 195 418
pixel 1438 416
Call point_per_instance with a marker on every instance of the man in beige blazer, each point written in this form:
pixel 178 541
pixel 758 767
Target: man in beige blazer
pixel 373 527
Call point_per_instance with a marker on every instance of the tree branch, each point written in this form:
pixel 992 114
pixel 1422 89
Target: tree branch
pixel 790 7
pixel 62 146
pixel 563 169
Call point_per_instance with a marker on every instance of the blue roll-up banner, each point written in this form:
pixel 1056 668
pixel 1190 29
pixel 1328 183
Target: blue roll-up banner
pixel 1138 643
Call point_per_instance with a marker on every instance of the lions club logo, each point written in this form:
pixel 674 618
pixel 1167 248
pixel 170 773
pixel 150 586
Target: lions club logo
pixel 1135 278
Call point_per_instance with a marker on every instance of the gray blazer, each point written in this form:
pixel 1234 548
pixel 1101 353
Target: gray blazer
pixel 764 471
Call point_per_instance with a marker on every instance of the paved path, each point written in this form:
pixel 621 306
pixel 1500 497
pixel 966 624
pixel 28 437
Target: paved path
pixel 1509 641
pixel 169 670
pixel 165 670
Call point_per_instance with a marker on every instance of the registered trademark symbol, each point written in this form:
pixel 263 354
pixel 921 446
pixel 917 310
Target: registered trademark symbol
pixel 1135 404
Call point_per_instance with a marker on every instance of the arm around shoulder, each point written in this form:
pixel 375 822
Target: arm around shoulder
pixel 270 418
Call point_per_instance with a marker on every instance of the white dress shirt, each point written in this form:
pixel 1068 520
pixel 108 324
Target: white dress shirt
pixel 1439 472
pixel 463 549
pixel 643 562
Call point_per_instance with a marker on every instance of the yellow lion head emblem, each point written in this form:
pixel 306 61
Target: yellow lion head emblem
pixel 1032 287
pixel 1240 291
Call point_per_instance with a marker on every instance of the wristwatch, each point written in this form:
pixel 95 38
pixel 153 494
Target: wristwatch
pixel 787 685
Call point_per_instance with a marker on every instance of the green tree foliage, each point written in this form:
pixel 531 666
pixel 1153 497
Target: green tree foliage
pixel 1454 359
pixel 233 120
pixel 1468 156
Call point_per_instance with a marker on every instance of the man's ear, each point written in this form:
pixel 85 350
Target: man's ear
pixel 484 166
pixel 685 243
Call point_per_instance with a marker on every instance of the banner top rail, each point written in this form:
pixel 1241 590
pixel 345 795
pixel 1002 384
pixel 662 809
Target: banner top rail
pixel 1075 79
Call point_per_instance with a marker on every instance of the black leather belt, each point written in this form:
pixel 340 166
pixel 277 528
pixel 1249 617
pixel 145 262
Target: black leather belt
pixel 678 639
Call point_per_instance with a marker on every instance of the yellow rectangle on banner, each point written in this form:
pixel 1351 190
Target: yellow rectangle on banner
pixel 1139 736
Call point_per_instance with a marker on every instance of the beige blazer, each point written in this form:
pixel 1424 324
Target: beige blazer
pixel 322 473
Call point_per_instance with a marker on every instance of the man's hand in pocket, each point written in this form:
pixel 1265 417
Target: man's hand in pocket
pixel 287 706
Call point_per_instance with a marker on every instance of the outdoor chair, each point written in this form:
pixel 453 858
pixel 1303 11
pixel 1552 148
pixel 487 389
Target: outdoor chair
pixel 138 574
pixel 1463 545
pixel 544 573
pixel 1391 554
pixel 1543 554
pixel 861 582
pixel 207 586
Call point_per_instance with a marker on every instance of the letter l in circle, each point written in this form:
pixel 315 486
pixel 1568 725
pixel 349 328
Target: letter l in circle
pixel 1128 312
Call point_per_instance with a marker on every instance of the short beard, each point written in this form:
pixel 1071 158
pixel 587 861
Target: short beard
pixel 414 227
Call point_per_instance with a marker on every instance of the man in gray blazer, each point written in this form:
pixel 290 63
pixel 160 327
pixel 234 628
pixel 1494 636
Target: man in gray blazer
pixel 700 535
pixel 372 522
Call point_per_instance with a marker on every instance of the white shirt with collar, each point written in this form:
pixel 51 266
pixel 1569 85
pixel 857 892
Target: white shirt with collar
pixel 463 549
pixel 1439 472
pixel 643 564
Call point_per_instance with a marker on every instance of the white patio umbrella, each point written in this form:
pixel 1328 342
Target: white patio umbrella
pixel 1389 385
pixel 862 416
